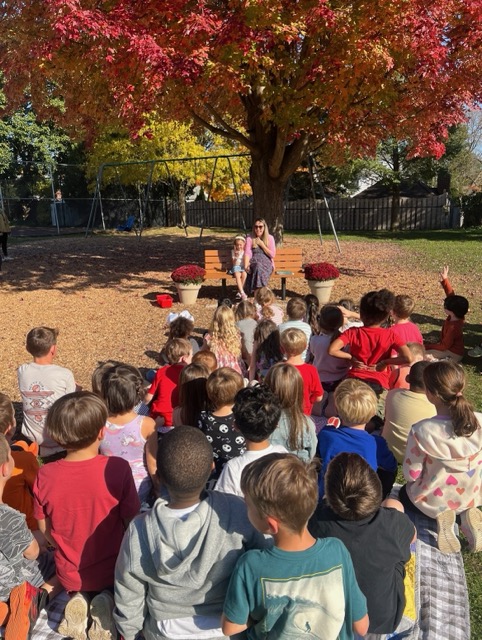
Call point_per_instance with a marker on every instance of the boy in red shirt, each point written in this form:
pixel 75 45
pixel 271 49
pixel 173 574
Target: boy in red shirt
pixel 451 343
pixel 293 344
pixel 371 345
pixel 163 393
pixel 83 504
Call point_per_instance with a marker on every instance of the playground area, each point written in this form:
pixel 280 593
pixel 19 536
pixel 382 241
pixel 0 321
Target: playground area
pixel 101 291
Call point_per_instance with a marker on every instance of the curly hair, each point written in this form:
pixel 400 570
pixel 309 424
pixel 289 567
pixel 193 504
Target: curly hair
pixel 224 332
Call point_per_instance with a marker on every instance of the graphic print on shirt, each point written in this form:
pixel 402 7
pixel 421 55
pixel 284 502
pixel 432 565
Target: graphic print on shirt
pixel 308 606
pixel 37 402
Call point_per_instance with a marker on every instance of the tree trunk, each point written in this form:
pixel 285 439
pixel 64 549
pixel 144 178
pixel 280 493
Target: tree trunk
pixel 268 197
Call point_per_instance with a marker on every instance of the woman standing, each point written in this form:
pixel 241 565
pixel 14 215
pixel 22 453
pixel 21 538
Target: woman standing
pixel 259 256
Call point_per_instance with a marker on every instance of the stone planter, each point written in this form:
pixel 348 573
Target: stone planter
pixel 321 289
pixel 187 293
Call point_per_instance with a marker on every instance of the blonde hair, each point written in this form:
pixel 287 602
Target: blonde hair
pixel 293 341
pixel 417 350
pixel 286 383
pixel 446 381
pixel 224 332
pixel 265 297
pixel 356 402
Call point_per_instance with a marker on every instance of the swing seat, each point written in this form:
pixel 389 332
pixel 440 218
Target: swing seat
pixel 128 224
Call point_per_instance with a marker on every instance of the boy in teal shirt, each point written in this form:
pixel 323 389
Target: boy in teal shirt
pixel 303 586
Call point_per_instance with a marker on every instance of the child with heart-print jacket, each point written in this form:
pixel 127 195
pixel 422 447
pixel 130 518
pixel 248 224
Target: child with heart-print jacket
pixel 443 460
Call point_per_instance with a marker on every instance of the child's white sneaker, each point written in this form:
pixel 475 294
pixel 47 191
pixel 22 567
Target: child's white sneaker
pixel 471 527
pixel 447 540
pixel 76 616
pixel 101 609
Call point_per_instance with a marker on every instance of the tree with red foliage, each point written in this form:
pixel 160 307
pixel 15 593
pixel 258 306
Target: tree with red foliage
pixel 280 77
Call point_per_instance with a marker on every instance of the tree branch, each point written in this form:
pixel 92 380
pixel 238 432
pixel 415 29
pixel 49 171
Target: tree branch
pixel 277 158
pixel 235 135
pixel 294 155
pixel 229 130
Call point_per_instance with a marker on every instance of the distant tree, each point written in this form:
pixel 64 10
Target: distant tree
pixel 278 77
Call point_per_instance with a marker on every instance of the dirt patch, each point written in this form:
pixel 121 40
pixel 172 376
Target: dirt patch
pixel 100 292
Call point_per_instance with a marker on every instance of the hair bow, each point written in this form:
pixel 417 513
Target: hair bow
pixel 174 316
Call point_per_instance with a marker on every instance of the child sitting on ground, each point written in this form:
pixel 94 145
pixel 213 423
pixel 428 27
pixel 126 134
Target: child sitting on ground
pixel 377 534
pixel 218 423
pixel 296 311
pixel 84 504
pixel 443 458
pixel 127 433
pixel 256 413
pixel 17 492
pixel 399 374
pixel 404 408
pixel 176 560
pixel 237 269
pixel 402 325
pixel 193 397
pixel 246 322
pixel 27 578
pixel 303 586
pixel 293 344
pixel 355 403
pixel 265 306
pixel 451 343
pixel 295 431
pixel 41 383
pixel 182 326
pixel 224 340
pixel 370 346
pixel 312 310
pixel 331 371
pixel 163 394
pixel 266 350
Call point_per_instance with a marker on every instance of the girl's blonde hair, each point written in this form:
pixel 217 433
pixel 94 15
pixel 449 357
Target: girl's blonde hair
pixel 245 309
pixel 265 236
pixel 446 381
pixel 286 383
pixel 265 297
pixel 224 332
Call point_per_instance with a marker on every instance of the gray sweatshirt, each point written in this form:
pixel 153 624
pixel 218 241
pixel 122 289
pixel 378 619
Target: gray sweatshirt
pixel 172 568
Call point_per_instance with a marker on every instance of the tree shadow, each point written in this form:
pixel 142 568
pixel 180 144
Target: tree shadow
pixel 73 264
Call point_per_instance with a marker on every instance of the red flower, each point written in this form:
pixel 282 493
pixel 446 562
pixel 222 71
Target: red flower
pixel 321 271
pixel 189 274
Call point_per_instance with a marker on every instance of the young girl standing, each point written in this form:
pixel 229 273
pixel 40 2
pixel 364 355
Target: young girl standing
pixel 295 431
pixel 126 433
pixel 443 460
pixel 238 270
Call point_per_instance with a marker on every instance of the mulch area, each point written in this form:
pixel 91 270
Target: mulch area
pixel 100 291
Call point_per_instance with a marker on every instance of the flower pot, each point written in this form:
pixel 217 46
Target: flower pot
pixel 321 289
pixel 187 293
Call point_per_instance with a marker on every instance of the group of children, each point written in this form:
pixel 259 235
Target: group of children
pixel 196 508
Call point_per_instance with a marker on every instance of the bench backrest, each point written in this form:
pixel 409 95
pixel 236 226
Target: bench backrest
pixel 286 259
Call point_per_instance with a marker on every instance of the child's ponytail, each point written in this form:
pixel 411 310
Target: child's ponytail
pixel 446 380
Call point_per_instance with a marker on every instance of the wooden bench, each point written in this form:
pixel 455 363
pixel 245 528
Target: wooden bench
pixel 288 264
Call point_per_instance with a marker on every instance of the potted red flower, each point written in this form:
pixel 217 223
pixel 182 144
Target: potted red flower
pixel 321 277
pixel 188 280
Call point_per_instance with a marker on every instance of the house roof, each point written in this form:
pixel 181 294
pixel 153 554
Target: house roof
pixel 417 189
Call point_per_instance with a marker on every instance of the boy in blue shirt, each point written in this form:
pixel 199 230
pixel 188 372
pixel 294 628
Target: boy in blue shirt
pixel 303 586
pixel 356 404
